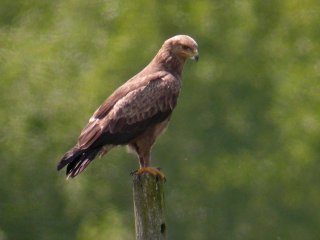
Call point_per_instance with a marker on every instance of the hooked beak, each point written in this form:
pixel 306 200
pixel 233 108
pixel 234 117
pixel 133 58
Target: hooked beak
pixel 195 56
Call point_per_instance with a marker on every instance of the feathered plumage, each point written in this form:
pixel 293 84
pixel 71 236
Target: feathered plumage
pixel 137 112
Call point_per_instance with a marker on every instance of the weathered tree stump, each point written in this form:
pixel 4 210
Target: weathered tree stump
pixel 148 198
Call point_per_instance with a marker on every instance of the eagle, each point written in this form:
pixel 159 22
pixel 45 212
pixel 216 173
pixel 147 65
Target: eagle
pixel 137 112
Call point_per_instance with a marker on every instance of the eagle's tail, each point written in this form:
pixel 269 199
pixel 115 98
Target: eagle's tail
pixel 76 160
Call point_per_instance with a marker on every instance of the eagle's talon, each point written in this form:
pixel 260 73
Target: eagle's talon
pixel 152 171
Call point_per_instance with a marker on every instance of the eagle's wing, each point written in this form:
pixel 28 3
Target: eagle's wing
pixel 131 113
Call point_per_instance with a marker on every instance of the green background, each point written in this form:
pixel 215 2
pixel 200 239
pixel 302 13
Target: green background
pixel 241 154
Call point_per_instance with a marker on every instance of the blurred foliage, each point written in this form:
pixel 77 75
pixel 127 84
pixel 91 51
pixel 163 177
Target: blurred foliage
pixel 242 151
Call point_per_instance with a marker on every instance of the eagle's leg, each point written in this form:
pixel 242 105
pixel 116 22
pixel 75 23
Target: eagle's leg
pixel 144 161
pixel 146 168
pixel 142 146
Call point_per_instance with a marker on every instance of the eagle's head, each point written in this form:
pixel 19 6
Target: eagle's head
pixel 183 47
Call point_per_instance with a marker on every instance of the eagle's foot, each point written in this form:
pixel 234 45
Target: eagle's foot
pixel 151 170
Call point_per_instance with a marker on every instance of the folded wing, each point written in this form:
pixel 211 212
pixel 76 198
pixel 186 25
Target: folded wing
pixel 126 114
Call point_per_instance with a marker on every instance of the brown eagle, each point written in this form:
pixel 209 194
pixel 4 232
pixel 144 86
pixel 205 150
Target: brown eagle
pixel 137 112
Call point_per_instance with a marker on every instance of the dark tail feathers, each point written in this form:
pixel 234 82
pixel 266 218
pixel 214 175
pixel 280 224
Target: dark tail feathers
pixel 76 161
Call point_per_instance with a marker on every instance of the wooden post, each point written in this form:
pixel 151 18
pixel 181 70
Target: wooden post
pixel 148 199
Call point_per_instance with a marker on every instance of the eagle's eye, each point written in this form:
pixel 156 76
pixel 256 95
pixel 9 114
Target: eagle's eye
pixel 186 48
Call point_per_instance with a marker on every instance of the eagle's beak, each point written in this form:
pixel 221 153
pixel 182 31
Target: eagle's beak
pixel 195 56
